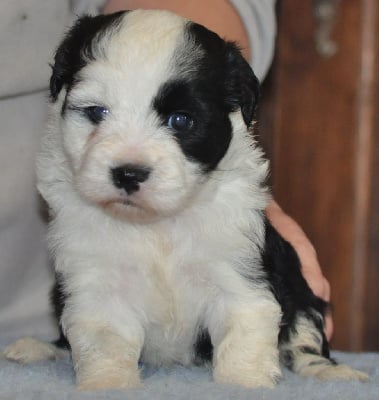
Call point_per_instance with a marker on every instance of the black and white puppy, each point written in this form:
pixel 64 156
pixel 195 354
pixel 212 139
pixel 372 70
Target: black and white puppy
pixel 157 192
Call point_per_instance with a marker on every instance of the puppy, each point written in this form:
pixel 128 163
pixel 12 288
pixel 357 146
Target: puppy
pixel 163 253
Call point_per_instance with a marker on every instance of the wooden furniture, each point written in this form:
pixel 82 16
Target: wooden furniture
pixel 319 121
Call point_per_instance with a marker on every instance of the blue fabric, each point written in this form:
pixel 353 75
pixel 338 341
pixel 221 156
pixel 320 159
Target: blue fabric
pixel 55 380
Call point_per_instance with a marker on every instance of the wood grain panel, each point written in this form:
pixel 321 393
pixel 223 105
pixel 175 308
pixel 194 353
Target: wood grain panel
pixel 317 124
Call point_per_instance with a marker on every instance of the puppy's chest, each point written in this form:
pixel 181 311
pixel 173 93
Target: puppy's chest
pixel 167 284
pixel 169 291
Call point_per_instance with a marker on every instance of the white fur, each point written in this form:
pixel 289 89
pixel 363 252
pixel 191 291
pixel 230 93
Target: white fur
pixel 29 350
pixel 142 279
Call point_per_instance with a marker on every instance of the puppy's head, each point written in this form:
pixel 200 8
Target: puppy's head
pixel 144 101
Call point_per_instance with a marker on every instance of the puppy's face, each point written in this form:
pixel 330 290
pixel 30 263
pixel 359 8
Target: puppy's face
pixel 144 99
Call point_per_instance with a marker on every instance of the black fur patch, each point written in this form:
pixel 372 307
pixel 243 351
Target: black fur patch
pixel 77 48
pixel 58 299
pixel 228 72
pixel 221 81
pixel 203 347
pixel 283 269
pixel 210 136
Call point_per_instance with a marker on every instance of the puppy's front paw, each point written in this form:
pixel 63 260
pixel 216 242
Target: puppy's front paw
pixel 29 350
pixel 250 376
pixel 100 377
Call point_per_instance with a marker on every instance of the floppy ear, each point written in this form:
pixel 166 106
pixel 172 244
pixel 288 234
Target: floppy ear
pixel 70 55
pixel 242 86
pixel 78 48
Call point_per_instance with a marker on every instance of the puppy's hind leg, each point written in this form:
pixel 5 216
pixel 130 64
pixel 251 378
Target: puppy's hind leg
pixel 306 353
pixel 29 350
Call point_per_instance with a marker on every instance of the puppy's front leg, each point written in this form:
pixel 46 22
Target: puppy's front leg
pixel 246 345
pixel 104 359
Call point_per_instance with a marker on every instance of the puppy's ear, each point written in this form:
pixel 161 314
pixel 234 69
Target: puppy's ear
pixel 242 86
pixel 80 46
pixel 68 58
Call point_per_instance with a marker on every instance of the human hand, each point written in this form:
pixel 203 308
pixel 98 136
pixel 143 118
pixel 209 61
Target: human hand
pixel 311 269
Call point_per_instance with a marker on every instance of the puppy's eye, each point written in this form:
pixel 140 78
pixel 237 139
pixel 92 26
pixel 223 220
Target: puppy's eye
pixel 95 114
pixel 180 122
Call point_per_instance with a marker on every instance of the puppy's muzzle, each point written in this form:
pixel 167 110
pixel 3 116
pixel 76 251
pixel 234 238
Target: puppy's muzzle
pixel 129 177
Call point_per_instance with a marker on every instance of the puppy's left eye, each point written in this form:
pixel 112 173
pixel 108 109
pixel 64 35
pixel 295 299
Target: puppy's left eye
pixel 180 122
pixel 96 114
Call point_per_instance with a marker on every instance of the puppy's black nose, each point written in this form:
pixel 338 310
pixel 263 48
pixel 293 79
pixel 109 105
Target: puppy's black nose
pixel 129 176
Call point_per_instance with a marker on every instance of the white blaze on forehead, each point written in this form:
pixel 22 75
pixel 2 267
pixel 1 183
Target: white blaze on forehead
pixel 149 33
pixel 141 54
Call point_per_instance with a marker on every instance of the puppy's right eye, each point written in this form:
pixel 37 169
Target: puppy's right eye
pixel 95 114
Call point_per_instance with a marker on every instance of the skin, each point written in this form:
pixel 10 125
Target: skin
pixel 213 14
